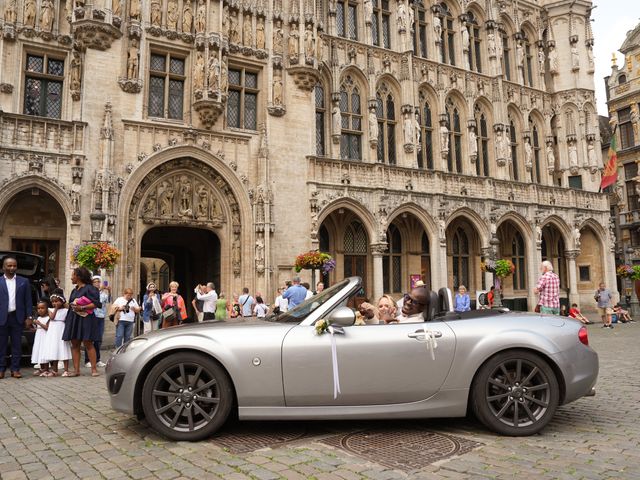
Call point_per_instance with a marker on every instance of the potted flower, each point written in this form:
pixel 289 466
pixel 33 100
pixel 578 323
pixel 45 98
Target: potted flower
pixel 94 256
pixel 504 268
pixel 624 271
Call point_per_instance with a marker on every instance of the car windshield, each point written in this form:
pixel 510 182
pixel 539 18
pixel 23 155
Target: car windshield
pixel 300 312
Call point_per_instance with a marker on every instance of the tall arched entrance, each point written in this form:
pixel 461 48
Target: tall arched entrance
pixel 553 249
pixel 463 255
pixel 512 246
pixel 33 221
pixel 188 255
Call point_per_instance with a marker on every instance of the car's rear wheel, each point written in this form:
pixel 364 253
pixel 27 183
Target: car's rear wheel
pixel 187 396
pixel 515 393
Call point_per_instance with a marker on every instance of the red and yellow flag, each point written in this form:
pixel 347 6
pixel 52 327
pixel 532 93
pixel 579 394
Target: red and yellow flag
pixel 610 173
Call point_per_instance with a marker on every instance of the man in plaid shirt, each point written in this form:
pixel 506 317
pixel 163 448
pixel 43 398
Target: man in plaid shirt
pixel 548 289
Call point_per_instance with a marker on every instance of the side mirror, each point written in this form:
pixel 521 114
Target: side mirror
pixel 342 316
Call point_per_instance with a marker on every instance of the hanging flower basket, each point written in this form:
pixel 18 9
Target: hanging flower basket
pixel 95 255
pixel 502 268
pixel 629 271
pixel 315 260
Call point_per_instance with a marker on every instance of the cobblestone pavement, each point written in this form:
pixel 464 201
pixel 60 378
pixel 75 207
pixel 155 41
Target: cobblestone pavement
pixel 64 428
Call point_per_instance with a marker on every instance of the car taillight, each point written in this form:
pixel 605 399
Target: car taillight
pixel 583 336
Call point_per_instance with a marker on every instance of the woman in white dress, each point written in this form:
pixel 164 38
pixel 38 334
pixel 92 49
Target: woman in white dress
pixel 55 348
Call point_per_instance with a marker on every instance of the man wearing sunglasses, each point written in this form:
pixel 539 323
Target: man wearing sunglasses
pixel 414 304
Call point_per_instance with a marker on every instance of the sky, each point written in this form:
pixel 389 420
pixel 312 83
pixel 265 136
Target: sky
pixel 612 19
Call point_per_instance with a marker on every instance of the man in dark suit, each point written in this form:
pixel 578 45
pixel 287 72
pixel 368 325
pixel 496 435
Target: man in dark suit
pixel 15 311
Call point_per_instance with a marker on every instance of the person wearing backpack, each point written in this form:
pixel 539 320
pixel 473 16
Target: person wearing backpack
pixel 246 302
pixel 125 309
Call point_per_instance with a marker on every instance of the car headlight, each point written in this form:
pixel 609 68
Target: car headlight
pixel 135 343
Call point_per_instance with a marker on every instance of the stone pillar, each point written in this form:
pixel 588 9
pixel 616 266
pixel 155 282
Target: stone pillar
pixel 571 255
pixel 377 250
pixel 534 259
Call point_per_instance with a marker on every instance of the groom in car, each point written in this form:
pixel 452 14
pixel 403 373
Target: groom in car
pixel 415 303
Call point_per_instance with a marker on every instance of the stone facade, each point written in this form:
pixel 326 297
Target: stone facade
pixel 623 95
pixel 223 138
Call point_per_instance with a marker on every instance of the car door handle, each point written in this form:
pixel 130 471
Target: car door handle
pixel 420 334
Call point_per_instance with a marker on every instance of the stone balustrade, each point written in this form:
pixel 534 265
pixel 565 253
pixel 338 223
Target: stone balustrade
pixel 630 218
pixel 41 135
pixel 376 175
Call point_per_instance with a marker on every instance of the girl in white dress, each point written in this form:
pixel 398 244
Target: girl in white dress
pixel 57 349
pixel 39 340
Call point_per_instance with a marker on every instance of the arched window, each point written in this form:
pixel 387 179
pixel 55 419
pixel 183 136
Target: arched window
pixel 321 113
pixel 482 131
pixel 506 55
pixel 448 36
pixel 622 79
pixel 475 46
pixel 518 259
pixel 420 30
pixel 351 138
pixel 454 157
pixel 425 154
pixel 392 264
pixel 535 144
pixel 513 137
pixel 460 258
pixel 347 19
pixel 425 260
pixel 355 251
pixel 380 24
pixel 385 111
pixel 528 61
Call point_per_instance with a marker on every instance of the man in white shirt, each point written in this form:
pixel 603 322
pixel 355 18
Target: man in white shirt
pixel 415 303
pixel 207 294
pixel 281 303
pixel 128 307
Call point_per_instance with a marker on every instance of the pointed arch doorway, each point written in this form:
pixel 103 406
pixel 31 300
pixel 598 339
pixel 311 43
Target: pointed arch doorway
pixel 188 255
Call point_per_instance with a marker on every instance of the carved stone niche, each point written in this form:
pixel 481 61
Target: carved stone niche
pixel 95 34
pixel 209 110
pixel 9 31
pixel 130 85
pixel 277 110
pixel 6 88
pixel 304 77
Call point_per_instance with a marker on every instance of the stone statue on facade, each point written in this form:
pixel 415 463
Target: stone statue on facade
pixel 591 156
pixel 416 130
pixel 277 88
pixel 576 238
pixel 187 17
pixel 541 58
pixel 201 17
pixel 407 129
pixel 224 77
pixel 402 16
pixel 573 157
pixel 260 38
pixel 185 198
pixel 464 33
pixel 491 43
pixel 214 70
pixel 132 60
pixel 172 15
pixel 247 31
pixel 47 14
pixel 166 199
pixel 294 42
pixel 309 44
pixel 234 33
pixel 553 60
pixel 198 72
pixel 156 13
pixel 336 120
pixel 150 205
pixel 11 12
pixel 437 28
pixel 373 126
pixel 590 57
pixel 473 144
pixel 202 208
pixel 444 137
pixel 278 39
pixel 29 13
pixel 368 11
pixel 634 116
pixel 551 158
pixel 116 6
pixel 134 9
pixel 528 154
pixel 76 72
pixel 575 57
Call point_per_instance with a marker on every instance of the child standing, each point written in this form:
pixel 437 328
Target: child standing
pixel 260 308
pixel 39 340
pixel 57 349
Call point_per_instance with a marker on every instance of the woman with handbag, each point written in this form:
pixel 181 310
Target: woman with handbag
pixel 152 310
pixel 174 310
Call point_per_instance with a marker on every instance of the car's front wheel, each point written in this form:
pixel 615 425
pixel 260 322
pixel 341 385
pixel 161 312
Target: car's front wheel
pixel 515 393
pixel 187 396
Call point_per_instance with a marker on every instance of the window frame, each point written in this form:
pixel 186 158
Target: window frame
pixel 448 36
pixel 420 48
pixel 514 145
pixel 392 260
pixel 349 11
pixel 244 90
pixel 506 55
pixel 320 120
pixel 167 77
pixel 381 24
pixel 519 259
pixel 475 43
pixel 482 136
pixel 387 123
pixel 536 169
pixel 349 134
pixel 454 121
pixel 426 132
pixel 44 78
pixel 625 128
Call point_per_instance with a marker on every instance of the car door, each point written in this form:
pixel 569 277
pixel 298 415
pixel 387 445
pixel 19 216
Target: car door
pixel 377 364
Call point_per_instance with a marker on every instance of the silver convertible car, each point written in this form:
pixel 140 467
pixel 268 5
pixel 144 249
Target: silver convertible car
pixel 511 370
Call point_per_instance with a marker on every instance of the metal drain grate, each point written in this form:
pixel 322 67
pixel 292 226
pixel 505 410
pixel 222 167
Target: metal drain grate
pixel 250 436
pixel 402 448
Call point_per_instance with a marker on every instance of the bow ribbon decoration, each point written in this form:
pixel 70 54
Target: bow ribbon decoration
pixel 335 330
pixel 430 341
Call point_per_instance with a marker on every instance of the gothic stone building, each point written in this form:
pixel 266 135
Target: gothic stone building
pixel 218 139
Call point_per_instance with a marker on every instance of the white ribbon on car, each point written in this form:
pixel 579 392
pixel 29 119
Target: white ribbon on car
pixel 430 341
pixel 335 330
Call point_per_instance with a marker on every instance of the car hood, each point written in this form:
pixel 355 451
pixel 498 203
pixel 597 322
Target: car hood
pixel 217 326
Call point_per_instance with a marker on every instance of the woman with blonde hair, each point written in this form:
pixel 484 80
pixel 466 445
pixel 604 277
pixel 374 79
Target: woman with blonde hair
pixel 387 309
pixel 172 300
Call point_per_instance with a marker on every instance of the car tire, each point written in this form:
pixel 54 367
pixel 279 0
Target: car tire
pixel 515 393
pixel 187 396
